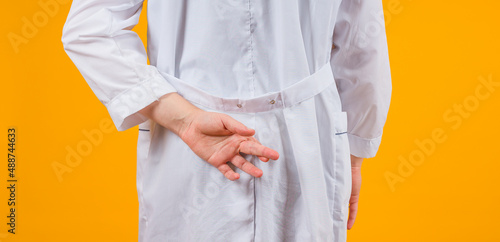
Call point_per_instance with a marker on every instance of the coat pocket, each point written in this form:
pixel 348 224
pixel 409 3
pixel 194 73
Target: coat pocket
pixel 342 164
pixel 145 137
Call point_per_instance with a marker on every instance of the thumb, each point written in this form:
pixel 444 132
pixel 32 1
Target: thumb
pixel 236 127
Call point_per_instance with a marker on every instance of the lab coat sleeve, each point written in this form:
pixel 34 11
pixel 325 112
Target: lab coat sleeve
pixel 360 64
pixel 97 36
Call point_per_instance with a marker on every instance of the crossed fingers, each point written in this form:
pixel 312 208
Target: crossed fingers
pixel 252 147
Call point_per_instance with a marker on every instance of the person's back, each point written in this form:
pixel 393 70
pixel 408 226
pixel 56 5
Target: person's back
pixel 240 49
pixel 267 64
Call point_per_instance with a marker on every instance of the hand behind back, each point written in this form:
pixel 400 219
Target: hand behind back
pixel 218 138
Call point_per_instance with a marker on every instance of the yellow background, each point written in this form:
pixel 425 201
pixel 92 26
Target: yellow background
pixel 438 52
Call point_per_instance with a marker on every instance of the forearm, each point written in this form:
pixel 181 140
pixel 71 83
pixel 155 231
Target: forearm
pixel 172 111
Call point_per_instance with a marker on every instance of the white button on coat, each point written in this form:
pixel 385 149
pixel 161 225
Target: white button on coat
pixel 267 63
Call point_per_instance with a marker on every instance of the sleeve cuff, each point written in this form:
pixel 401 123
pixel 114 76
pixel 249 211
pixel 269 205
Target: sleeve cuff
pixel 362 147
pixel 124 108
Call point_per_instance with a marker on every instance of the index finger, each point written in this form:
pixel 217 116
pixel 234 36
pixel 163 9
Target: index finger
pixel 254 148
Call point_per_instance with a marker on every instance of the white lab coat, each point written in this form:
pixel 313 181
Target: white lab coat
pixel 267 63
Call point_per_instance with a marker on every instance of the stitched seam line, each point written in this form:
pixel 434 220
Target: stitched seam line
pixel 253 94
pixel 365 139
pixel 250 21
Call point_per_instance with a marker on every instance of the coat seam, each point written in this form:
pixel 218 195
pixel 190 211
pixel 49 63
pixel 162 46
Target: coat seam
pixel 250 47
pixel 252 90
pixel 254 190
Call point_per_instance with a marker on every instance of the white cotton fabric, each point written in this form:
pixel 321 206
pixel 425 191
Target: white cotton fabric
pixel 311 77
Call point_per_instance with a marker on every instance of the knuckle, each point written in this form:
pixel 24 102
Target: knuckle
pixel 245 165
pixel 236 161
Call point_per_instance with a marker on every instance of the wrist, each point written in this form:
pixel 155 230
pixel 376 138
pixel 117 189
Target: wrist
pixel 171 111
pixel 356 161
pixel 186 122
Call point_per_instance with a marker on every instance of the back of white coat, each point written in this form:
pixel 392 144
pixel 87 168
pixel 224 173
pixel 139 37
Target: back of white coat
pixel 241 50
